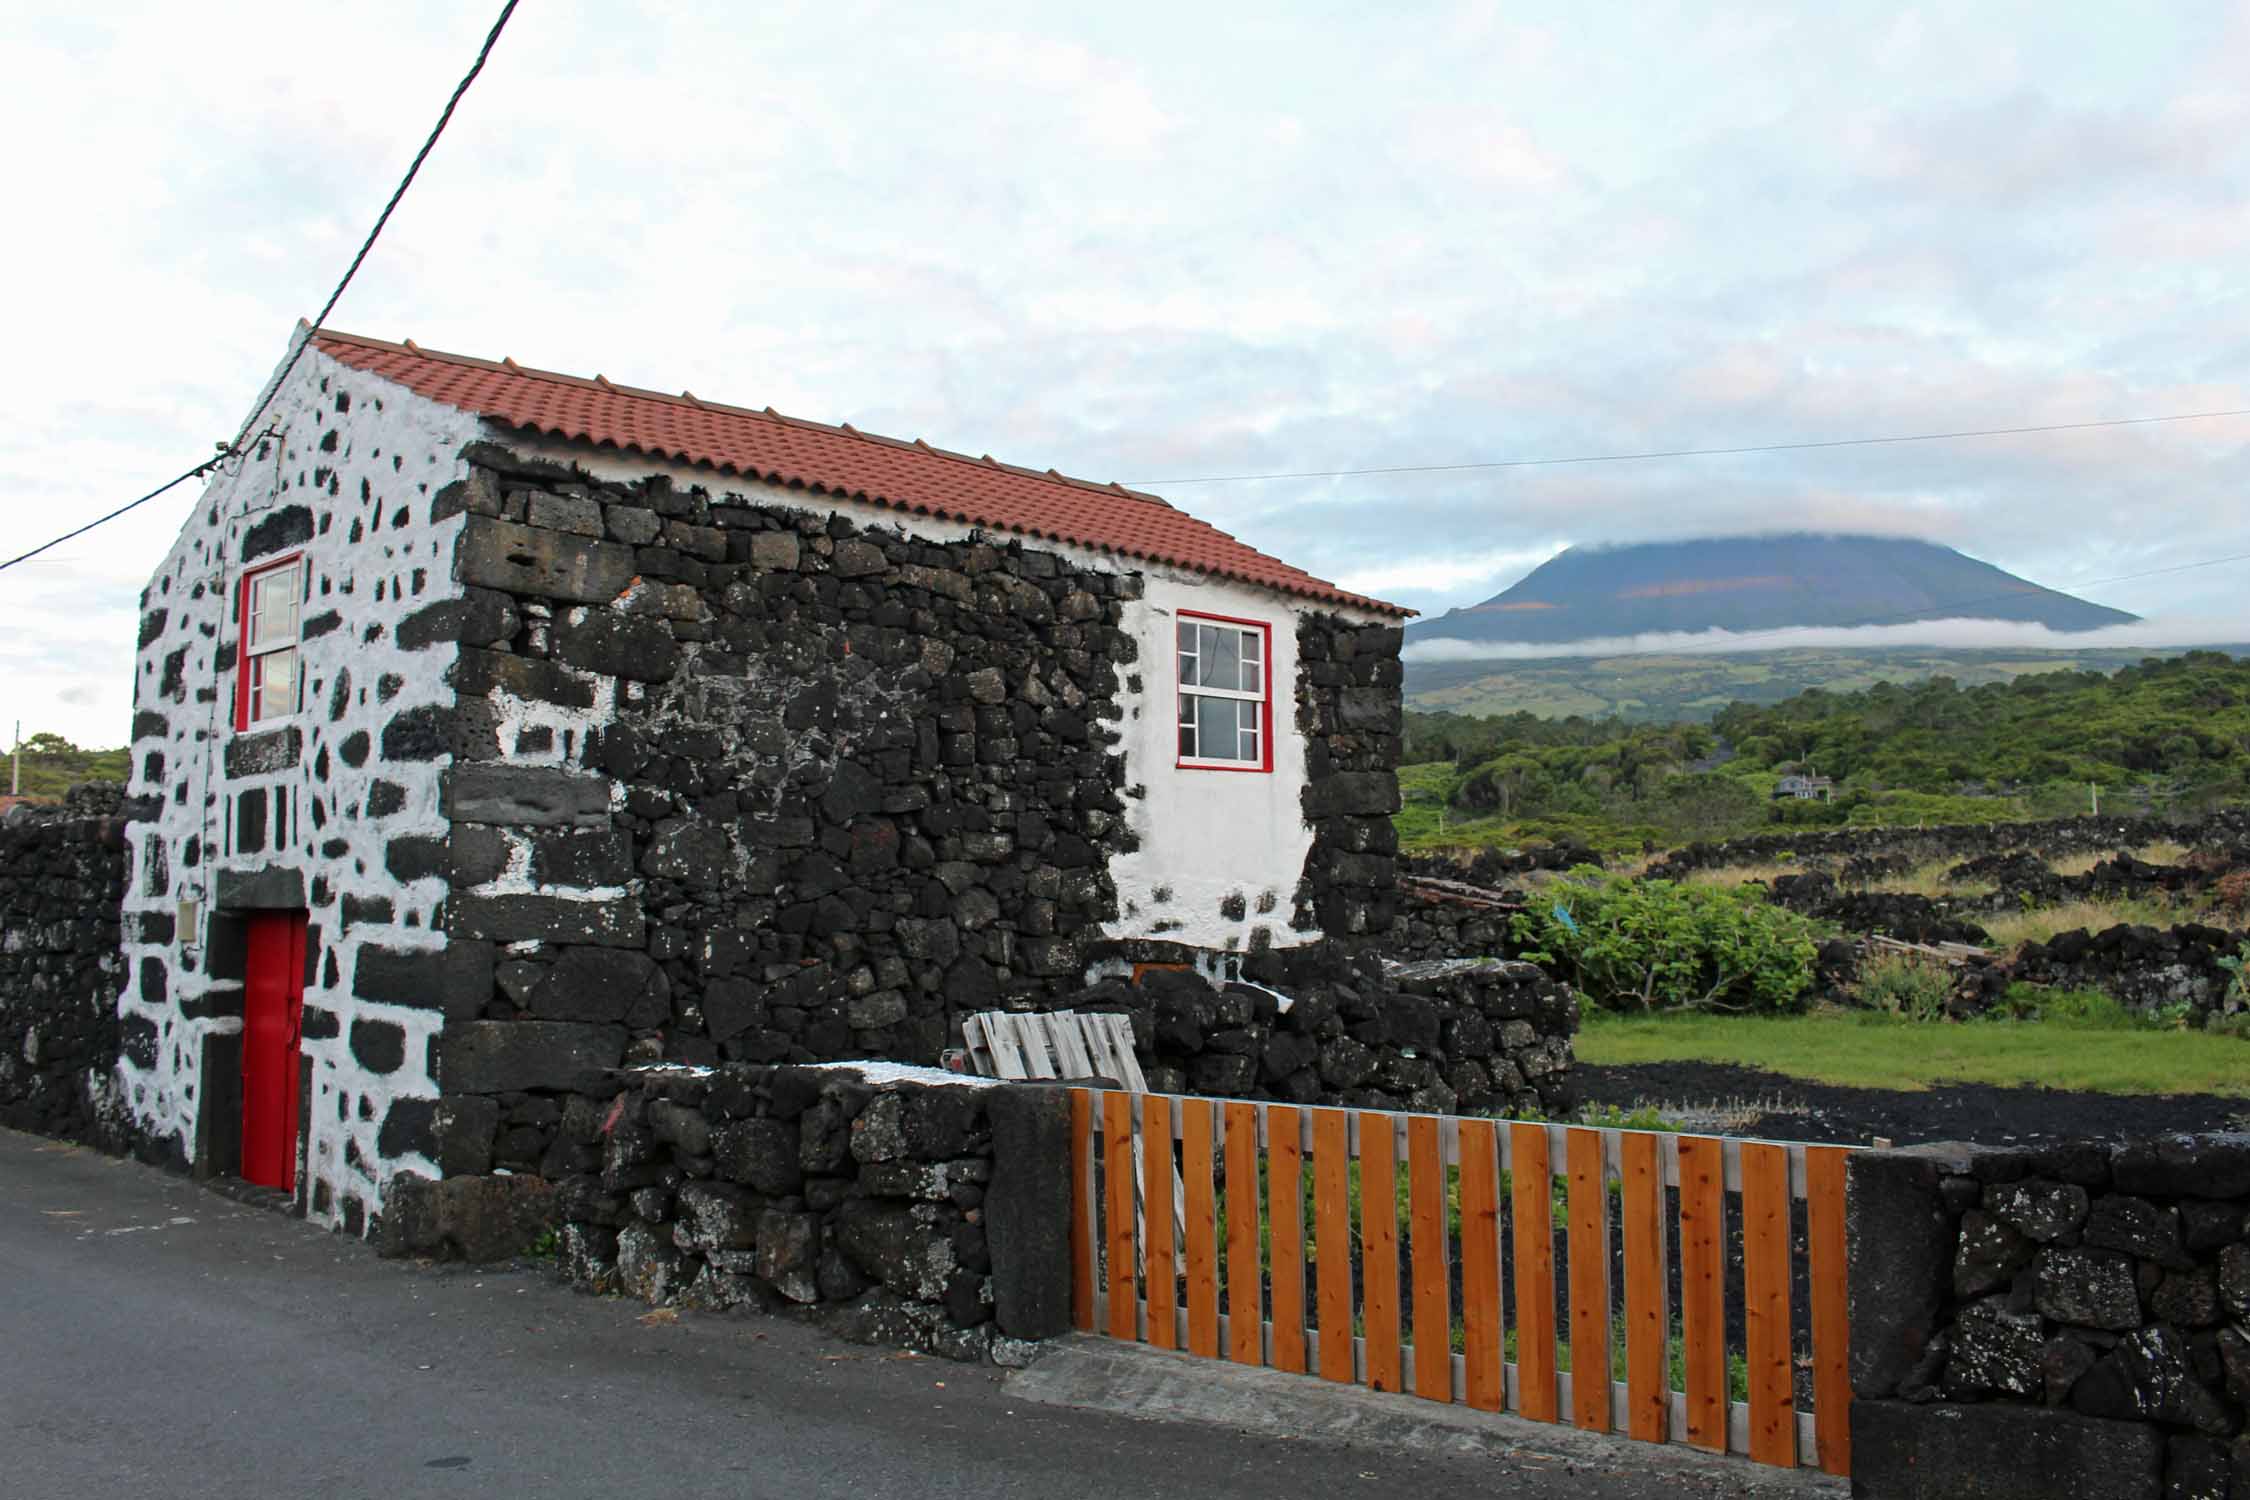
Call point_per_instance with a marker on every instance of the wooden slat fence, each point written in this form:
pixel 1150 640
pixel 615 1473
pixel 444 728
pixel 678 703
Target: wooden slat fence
pixel 1706 1275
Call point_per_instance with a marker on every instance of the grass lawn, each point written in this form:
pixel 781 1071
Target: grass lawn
pixel 1867 1050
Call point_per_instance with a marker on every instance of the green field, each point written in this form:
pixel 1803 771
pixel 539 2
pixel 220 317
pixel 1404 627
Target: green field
pixel 1872 1050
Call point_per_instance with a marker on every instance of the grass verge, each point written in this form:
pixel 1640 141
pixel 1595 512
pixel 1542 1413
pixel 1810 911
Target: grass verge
pixel 1861 1050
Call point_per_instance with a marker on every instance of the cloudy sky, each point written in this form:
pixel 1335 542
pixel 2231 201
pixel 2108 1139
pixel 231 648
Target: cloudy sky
pixel 1161 242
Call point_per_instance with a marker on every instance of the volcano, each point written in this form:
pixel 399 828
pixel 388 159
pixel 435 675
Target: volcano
pixel 1756 583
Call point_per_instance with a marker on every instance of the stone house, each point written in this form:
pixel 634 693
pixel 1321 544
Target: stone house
pixel 495 727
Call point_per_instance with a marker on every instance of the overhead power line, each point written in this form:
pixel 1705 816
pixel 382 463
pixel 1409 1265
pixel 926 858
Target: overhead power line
pixel 242 438
pixel 197 472
pixel 1619 458
pixel 491 39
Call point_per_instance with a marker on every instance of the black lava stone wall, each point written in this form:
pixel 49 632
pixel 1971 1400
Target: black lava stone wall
pixel 741 782
pixel 1479 1038
pixel 1432 927
pixel 62 881
pixel 2148 967
pixel 2089 1300
pixel 1899 848
pixel 929 1215
pixel 1435 922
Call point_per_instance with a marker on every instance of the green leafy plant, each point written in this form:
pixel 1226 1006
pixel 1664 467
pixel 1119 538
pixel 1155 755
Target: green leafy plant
pixel 2236 1025
pixel 1647 945
pixel 2237 965
pixel 1901 985
pixel 1617 1117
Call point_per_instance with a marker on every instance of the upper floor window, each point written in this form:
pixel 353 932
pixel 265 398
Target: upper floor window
pixel 269 684
pixel 1226 693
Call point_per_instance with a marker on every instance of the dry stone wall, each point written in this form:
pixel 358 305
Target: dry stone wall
pixel 2087 1303
pixel 2150 968
pixel 1857 852
pixel 901 1206
pixel 62 877
pixel 1332 1023
pixel 1431 925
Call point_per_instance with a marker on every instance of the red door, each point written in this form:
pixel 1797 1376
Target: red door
pixel 273 1010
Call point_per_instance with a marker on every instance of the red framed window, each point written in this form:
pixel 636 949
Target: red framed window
pixel 1226 693
pixel 268 684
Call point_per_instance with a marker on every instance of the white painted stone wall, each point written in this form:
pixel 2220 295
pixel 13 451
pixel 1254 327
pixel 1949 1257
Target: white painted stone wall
pixel 375 558
pixel 1208 835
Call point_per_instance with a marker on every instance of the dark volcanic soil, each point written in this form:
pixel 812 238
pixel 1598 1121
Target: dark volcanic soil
pixel 1977 1112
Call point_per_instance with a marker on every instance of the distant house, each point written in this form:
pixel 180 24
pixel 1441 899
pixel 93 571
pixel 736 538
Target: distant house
pixel 493 727
pixel 1804 788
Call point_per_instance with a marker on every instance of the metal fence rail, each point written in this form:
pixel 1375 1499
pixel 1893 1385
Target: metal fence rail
pixel 1660 1235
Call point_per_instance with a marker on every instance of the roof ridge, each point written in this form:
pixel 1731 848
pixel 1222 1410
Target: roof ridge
pixel 508 364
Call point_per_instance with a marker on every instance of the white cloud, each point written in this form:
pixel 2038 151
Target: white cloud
pixel 1489 570
pixel 1175 239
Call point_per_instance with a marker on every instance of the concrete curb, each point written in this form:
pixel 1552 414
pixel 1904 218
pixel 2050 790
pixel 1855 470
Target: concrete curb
pixel 1138 1381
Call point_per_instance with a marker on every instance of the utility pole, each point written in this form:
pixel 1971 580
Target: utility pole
pixel 15 777
pixel 2093 790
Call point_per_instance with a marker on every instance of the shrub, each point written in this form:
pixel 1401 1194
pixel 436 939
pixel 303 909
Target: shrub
pixel 1659 945
pixel 1900 985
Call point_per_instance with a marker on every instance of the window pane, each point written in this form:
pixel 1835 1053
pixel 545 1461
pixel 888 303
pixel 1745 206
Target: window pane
pixel 1252 645
pixel 1219 725
pixel 1249 673
pixel 276 684
pixel 273 608
pixel 1250 736
pixel 1187 670
pixel 1187 741
pixel 1222 651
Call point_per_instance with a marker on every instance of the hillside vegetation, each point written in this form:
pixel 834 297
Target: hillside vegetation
pixel 2162 736
pixel 52 765
pixel 1655 688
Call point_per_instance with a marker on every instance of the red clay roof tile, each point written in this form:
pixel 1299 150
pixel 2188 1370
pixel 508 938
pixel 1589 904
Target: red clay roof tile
pixel 838 461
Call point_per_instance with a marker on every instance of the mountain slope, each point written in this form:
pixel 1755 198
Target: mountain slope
pixel 1756 583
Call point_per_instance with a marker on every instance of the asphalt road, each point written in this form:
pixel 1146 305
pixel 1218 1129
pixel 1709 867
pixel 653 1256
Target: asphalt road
pixel 159 1339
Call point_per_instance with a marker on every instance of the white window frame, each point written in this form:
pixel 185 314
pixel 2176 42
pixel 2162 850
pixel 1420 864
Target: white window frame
pixel 1254 647
pixel 263 641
